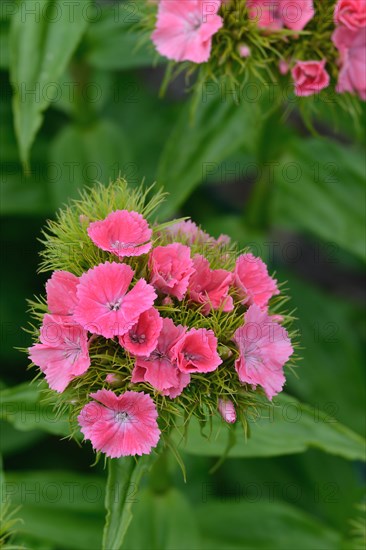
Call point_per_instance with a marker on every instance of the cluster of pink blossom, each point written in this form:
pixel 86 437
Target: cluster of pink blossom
pixel 113 301
pixel 185 28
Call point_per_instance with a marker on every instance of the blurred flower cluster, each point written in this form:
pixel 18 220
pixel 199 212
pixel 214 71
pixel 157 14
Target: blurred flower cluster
pixel 142 320
pixel 315 42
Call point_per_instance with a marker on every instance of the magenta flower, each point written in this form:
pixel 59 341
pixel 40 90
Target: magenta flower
pixel 352 49
pixel 106 306
pixel 351 14
pixel 210 287
pixel 171 266
pixel 264 348
pixel 196 351
pixel 61 293
pixel 63 352
pixel 142 338
pixel 252 281
pixel 227 410
pixel 123 233
pixel 276 14
pixel 310 77
pixel 160 368
pixel 121 425
pixel 184 29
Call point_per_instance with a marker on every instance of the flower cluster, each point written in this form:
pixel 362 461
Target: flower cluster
pixel 161 314
pixel 245 34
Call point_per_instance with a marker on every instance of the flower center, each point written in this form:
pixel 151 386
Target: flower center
pixel 121 416
pixel 190 356
pixel 137 338
pixel 114 306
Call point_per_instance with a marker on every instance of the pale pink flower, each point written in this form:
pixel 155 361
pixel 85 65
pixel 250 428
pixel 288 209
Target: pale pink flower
pixel 63 352
pixel 352 49
pixel 351 14
pixel 113 379
pixel 227 410
pixel 276 14
pixel 184 29
pixel 123 232
pixel 106 306
pixel 264 348
pixel 142 338
pixel 160 368
pixel 283 67
pixel 120 425
pixel 251 279
pixel 196 351
pixel 244 50
pixel 310 77
pixel 190 231
pixel 61 293
pixel 210 287
pixel 171 266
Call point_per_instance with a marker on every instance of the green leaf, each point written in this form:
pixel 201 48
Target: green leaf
pixel 319 187
pixel 331 337
pixel 262 525
pixel 124 476
pixel 289 427
pixel 168 519
pixel 82 155
pixel 114 43
pixel 199 143
pixel 41 44
pixel 26 408
pixel 58 507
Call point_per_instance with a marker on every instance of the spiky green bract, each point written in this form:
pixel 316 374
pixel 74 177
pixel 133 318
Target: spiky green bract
pixel 260 70
pixel 67 246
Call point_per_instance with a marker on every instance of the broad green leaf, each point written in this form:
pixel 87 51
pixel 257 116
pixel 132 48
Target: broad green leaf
pixel 62 509
pixel 168 521
pixel 201 141
pixel 14 441
pixel 83 155
pixel 263 526
pixel 332 352
pixel 124 476
pixel 41 44
pixel 26 408
pixel 319 187
pixel 289 427
pixel 4 45
pixel 113 42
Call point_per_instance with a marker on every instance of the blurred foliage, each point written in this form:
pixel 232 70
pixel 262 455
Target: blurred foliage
pixel 80 102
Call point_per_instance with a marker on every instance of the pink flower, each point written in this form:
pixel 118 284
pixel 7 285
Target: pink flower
pixel 196 351
pixel 275 14
pixel 160 368
pixel 184 29
pixel 283 66
pixel 227 410
pixel 189 231
pixel 123 233
pixel 63 352
pixel 264 348
pixel 254 284
pixel 351 14
pixel 352 49
pixel 61 293
pixel 244 50
pixel 114 379
pixel 121 425
pixel 210 287
pixel 106 306
pixel 142 338
pixel 171 266
pixel 310 77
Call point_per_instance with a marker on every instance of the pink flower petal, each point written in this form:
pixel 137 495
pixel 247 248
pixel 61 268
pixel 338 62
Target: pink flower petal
pixel 254 284
pixel 264 348
pixel 123 232
pixel 142 338
pixel 61 293
pixel 171 266
pixel 121 425
pixel 210 287
pixel 227 410
pixel 106 307
pixel 196 351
